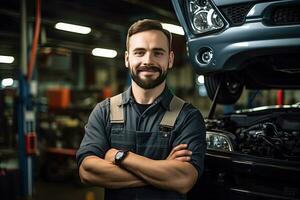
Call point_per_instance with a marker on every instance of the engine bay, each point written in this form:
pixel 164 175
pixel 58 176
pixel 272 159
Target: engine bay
pixel 270 133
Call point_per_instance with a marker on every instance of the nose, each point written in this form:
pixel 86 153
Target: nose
pixel 148 59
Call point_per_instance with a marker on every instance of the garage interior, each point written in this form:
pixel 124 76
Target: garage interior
pixel 51 82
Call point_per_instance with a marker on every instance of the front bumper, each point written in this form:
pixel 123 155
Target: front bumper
pixel 234 45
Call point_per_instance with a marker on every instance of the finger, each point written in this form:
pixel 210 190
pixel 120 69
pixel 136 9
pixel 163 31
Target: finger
pixel 183 158
pixel 176 148
pixel 179 147
pixel 180 153
pixel 183 153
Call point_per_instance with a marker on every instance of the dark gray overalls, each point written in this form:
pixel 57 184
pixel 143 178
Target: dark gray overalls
pixel 154 145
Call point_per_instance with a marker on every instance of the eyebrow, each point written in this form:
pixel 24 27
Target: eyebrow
pixel 159 49
pixel 139 49
pixel 154 49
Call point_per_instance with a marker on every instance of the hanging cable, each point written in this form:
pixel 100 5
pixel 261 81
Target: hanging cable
pixel 35 40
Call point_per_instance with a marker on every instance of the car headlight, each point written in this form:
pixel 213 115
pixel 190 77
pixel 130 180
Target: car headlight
pixel 218 141
pixel 203 16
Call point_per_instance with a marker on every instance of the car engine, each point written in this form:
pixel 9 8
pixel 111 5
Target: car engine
pixel 270 133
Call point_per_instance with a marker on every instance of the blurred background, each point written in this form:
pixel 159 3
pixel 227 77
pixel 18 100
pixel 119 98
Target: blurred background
pixel 58 58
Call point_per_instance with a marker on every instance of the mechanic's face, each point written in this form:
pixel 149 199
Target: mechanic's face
pixel 148 58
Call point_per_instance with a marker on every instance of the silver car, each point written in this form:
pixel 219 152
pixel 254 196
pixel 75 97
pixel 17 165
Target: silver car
pixel 255 43
pixel 252 154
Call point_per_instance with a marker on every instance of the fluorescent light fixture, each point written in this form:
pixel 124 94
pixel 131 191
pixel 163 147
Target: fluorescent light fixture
pixel 107 53
pixel 7 82
pixel 173 28
pixel 6 59
pixel 73 28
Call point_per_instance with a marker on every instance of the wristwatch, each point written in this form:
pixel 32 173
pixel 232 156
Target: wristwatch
pixel 120 155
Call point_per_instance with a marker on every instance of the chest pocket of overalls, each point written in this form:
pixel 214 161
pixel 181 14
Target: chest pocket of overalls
pixel 154 145
pixel 122 139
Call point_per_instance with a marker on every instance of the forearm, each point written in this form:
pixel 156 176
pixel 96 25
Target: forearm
pixel 165 174
pixel 97 171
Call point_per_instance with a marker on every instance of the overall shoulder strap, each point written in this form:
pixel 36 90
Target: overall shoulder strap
pixel 171 115
pixel 116 109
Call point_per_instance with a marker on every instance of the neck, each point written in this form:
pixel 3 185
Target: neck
pixel 146 96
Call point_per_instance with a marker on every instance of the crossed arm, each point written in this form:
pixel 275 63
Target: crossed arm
pixel 174 173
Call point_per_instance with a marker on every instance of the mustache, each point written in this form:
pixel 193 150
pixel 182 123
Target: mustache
pixel 149 68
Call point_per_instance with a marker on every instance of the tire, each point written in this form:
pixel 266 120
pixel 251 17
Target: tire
pixel 230 90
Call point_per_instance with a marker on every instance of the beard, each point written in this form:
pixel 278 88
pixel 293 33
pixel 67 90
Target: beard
pixel 148 83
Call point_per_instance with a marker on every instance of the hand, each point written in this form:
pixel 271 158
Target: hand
pixel 110 155
pixel 181 153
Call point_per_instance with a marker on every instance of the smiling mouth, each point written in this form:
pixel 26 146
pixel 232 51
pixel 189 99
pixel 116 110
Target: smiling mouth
pixel 148 69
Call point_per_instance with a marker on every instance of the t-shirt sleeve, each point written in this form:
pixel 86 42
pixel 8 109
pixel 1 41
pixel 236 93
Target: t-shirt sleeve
pixel 192 132
pixel 95 141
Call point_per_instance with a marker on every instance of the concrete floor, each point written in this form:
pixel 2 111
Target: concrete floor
pixel 66 191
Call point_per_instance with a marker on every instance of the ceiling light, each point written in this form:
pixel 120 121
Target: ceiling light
pixel 7 82
pixel 107 53
pixel 200 80
pixel 6 59
pixel 73 28
pixel 173 28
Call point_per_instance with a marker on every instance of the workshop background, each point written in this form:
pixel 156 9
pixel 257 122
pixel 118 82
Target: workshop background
pixel 50 80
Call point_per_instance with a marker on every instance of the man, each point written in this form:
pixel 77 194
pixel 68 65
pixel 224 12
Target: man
pixel 144 143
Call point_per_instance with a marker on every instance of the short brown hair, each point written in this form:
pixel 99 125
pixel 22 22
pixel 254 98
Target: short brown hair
pixel 146 25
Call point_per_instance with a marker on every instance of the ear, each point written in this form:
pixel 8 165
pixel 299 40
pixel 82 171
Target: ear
pixel 126 59
pixel 171 59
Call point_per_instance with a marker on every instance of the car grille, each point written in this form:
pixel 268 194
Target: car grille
pixel 236 14
pixel 286 15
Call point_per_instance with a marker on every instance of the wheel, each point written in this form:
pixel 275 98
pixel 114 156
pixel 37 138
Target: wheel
pixel 230 90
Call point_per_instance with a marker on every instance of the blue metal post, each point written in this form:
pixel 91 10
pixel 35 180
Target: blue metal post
pixel 24 109
pixel 23 92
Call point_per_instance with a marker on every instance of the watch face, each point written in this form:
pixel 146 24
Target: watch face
pixel 119 155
